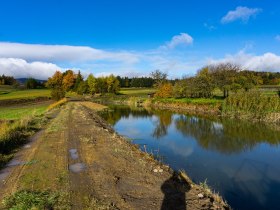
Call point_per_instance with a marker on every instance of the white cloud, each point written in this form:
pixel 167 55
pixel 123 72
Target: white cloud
pixel 266 62
pixel 277 38
pixel 183 39
pixel 240 13
pixel 20 68
pixel 62 53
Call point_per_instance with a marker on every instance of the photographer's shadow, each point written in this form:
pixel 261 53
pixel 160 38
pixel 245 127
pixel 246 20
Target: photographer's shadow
pixel 174 190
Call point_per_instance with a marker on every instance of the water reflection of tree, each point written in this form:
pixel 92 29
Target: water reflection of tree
pixel 115 113
pixel 227 136
pixel 162 124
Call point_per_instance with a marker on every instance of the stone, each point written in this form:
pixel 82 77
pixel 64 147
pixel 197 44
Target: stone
pixel 200 195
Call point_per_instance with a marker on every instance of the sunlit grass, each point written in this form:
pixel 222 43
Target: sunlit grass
pixel 137 91
pixel 19 112
pixel 23 94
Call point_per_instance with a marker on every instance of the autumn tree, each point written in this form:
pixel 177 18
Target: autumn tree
pixel 164 90
pixel 69 79
pixel 55 83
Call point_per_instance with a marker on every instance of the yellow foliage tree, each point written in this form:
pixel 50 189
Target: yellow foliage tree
pixel 164 91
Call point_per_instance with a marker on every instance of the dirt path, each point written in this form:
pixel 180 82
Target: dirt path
pixel 80 156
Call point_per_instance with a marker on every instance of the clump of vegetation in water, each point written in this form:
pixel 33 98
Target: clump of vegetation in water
pixel 25 199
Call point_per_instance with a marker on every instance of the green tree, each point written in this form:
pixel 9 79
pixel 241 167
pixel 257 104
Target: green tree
pixel 112 84
pixel 92 84
pixel 83 88
pixel 79 79
pixel 224 75
pixel 31 83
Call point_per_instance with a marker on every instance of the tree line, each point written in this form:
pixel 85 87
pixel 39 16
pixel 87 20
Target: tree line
pixel 62 82
pixel 226 77
pixel 7 80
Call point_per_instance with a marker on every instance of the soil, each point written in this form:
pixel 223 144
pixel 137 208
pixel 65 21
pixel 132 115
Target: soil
pixel 10 102
pixel 79 154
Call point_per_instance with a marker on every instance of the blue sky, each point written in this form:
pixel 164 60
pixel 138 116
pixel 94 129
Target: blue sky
pixel 135 37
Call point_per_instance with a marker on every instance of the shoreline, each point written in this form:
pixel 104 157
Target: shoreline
pixel 134 174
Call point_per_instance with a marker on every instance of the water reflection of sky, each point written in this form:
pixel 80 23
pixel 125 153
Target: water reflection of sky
pixel 238 159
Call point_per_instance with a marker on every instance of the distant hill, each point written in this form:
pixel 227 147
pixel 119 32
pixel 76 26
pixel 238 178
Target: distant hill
pixel 23 80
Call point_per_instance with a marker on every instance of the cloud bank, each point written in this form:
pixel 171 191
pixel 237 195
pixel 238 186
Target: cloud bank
pixel 20 68
pixel 62 53
pixel 266 62
pixel 240 13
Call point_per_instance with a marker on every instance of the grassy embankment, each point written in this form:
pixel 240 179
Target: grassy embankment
pixel 261 104
pixel 19 121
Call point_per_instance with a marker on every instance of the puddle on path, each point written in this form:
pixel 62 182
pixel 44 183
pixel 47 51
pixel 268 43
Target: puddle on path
pixel 74 154
pixel 15 163
pixel 4 175
pixel 27 146
pixel 77 167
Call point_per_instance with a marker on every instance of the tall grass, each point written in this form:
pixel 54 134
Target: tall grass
pixel 253 104
pixel 12 134
pixel 57 104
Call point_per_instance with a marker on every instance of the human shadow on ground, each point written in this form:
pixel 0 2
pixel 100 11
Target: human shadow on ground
pixel 174 190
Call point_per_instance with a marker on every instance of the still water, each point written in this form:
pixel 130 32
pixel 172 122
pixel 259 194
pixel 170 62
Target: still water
pixel 238 159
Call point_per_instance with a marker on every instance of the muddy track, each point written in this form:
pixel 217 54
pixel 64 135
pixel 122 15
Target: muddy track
pixel 81 155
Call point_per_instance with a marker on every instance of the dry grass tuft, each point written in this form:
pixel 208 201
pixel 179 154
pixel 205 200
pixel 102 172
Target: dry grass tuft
pixel 57 104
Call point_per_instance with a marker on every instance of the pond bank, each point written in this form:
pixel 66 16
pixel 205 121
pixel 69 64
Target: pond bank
pixel 105 170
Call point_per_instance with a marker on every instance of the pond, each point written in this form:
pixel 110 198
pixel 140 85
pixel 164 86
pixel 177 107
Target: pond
pixel 240 160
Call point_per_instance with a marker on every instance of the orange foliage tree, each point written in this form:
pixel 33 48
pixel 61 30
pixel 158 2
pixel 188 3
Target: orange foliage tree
pixel 164 91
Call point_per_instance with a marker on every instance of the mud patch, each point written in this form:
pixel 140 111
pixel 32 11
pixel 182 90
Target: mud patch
pixel 77 167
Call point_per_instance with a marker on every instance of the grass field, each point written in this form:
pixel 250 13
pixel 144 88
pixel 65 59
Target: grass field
pixel 10 94
pixel 137 91
pixel 19 112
